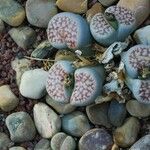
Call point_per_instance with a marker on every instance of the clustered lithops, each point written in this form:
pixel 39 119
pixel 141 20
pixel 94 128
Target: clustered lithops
pixel 90 88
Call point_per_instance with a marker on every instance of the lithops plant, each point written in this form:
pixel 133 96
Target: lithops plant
pixel 78 86
pixel 136 59
pixel 115 24
pixel 68 30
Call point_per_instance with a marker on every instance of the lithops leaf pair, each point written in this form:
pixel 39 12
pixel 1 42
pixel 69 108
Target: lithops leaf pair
pixel 115 24
pixel 79 87
pixel 68 30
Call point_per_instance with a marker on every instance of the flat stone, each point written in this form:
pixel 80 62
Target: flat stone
pixel 62 141
pixel 43 144
pixel 23 36
pixel 17 148
pixel 138 109
pixel 96 139
pixel 78 6
pixel 11 12
pixel 142 144
pixel 47 122
pixel 75 123
pixel 2 27
pixel 142 35
pixel 116 113
pixel 33 83
pixel 5 142
pixel 61 108
pixel 20 126
pixel 39 12
pixel 107 2
pixel 98 114
pixel 126 135
pixel 8 100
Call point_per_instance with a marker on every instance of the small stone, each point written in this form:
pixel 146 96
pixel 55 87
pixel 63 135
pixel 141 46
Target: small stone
pixel 1 26
pixel 33 83
pixel 23 36
pixel 62 108
pixel 5 142
pixel 20 126
pixel 17 148
pixel 11 12
pixel 39 12
pixel 78 6
pixel 20 66
pixel 47 122
pixel 43 144
pixel 96 139
pixel 62 141
pixel 141 35
pixel 75 123
pixel 107 2
pixel 96 8
pixel 8 100
pixel 98 114
pixel 116 113
pixel 142 144
pixel 126 135
pixel 138 109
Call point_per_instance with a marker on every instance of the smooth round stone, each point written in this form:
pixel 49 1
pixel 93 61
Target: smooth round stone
pixel 33 83
pixel 23 36
pixel 62 108
pixel 138 109
pixel 126 135
pixel 43 144
pixel 141 35
pixel 11 12
pixel 98 114
pixel 5 142
pixel 39 12
pixel 77 6
pixel 47 122
pixel 116 113
pixel 17 148
pixel 107 2
pixel 62 141
pixel 96 139
pixel 8 100
pixel 75 123
pixel 142 144
pixel 1 26
pixel 20 126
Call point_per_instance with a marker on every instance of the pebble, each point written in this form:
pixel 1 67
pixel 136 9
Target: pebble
pixel 2 27
pixel 43 144
pixel 17 148
pixel 141 36
pixel 11 12
pixel 96 8
pixel 142 144
pixel 5 142
pixel 96 139
pixel 107 2
pixel 23 36
pixel 20 126
pixel 62 141
pixel 78 6
pixel 47 122
pixel 39 12
pixel 138 109
pixel 61 108
pixel 116 113
pixel 8 100
pixel 20 66
pixel 98 114
pixel 33 83
pixel 126 135
pixel 75 123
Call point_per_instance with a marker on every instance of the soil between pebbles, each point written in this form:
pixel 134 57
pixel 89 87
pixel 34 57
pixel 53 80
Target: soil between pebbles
pixel 8 52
